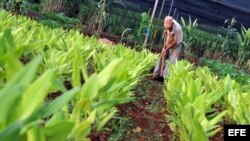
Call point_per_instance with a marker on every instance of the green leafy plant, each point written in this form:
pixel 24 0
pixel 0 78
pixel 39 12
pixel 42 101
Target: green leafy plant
pixel 244 48
pixel 53 5
pixel 224 69
pixel 24 94
pixel 88 14
pixel 230 28
pixel 15 6
pixel 238 105
pixel 65 57
pixel 189 96
pixel 142 30
pixel 189 28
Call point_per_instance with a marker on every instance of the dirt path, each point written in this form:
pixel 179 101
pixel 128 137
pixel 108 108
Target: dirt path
pixel 148 113
pixel 144 119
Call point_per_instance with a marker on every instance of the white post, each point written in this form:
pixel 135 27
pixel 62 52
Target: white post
pixel 162 5
pixel 170 7
pixel 150 22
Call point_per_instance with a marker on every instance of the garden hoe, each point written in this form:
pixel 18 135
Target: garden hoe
pixel 163 56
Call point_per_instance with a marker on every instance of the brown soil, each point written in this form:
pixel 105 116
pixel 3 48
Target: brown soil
pixel 148 112
pixel 99 136
pixel 24 60
pixel 68 85
pixel 219 136
pixel 53 95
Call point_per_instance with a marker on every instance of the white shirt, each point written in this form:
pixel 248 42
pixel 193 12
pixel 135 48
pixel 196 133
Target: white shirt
pixel 177 31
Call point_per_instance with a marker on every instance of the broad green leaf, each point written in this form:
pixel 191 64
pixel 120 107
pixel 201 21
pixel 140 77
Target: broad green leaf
pixel 82 130
pixel 102 122
pixel 104 75
pixel 6 42
pixel 35 134
pixel 10 99
pixel 12 65
pixel 57 117
pixel 11 132
pixel 59 131
pixel 22 79
pixel 25 75
pixel 82 106
pixel 90 88
pixel 199 134
pixel 57 104
pixel 77 63
pixel 36 93
pixel 84 72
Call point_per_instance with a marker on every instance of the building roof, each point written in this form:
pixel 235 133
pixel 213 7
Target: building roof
pixel 213 12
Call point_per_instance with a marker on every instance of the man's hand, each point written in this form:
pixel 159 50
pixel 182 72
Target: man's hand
pixel 173 45
pixel 164 51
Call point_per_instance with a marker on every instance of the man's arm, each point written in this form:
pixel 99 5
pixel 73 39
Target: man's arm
pixel 168 46
pixel 172 45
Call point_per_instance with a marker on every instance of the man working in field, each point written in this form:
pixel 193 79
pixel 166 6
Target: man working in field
pixel 173 37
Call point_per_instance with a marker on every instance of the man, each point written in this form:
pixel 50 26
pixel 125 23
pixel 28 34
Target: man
pixel 173 38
